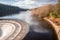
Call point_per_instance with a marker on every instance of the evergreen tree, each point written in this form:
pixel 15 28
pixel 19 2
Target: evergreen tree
pixel 56 13
pixel 58 9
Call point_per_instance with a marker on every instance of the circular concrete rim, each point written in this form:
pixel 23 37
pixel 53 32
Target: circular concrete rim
pixel 54 27
pixel 24 28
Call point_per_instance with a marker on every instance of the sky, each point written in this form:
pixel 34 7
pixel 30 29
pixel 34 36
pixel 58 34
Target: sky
pixel 28 3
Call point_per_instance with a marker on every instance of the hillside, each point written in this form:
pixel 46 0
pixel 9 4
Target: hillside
pixel 9 10
pixel 43 11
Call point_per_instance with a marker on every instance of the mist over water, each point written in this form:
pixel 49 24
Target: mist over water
pixel 26 16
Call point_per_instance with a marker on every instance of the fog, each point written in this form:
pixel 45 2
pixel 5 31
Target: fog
pixel 28 4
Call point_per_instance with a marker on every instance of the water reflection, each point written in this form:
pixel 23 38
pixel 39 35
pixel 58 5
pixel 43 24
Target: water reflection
pixel 1 32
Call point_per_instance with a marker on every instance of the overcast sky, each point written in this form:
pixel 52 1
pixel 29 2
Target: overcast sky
pixel 28 3
pixel 12 1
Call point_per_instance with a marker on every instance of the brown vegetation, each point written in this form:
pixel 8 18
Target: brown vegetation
pixel 43 11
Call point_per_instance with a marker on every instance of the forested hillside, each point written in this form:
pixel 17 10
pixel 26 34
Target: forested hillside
pixel 9 10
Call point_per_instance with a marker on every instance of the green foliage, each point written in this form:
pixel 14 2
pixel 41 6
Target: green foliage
pixel 52 14
pixel 57 13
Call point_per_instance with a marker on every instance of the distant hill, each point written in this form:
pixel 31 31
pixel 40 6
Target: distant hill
pixel 44 10
pixel 9 10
